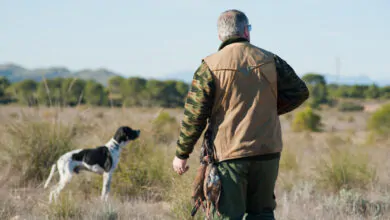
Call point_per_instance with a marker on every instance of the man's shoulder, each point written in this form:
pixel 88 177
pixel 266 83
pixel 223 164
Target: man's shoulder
pixel 208 56
pixel 264 51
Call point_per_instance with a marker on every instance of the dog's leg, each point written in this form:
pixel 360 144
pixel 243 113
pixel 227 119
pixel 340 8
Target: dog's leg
pixel 65 177
pixel 106 185
pixel 53 168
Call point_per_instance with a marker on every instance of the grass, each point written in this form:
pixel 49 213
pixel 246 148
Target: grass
pixel 326 174
pixel 344 169
pixel 66 208
pixel 41 143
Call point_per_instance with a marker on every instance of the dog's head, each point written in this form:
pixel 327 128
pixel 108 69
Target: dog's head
pixel 125 134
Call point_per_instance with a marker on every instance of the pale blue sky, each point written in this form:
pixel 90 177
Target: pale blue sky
pixel 160 38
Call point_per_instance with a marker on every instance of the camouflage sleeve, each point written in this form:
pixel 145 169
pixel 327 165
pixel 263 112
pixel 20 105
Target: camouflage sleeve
pixel 197 110
pixel 292 91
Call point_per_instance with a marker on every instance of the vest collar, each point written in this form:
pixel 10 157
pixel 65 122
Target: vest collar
pixel 232 40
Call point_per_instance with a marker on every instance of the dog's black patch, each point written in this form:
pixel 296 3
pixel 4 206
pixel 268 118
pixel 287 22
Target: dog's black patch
pixel 125 133
pixel 100 156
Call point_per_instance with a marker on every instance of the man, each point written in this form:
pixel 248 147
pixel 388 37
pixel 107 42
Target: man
pixel 240 91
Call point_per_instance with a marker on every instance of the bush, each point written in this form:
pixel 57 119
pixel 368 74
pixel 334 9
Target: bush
pixel 143 170
pixel 379 122
pixel 350 119
pixel 36 145
pixel 180 199
pixel 350 106
pixel 8 209
pixel 344 169
pixel 306 120
pixel 165 127
pixel 66 208
pixel 288 161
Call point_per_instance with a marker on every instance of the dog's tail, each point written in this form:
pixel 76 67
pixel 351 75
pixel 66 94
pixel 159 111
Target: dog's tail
pixel 53 168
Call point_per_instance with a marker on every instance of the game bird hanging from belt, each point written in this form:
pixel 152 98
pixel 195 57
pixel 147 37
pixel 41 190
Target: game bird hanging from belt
pixel 207 183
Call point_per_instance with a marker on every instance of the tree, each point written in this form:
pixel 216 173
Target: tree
pixel 114 90
pixel 24 91
pixel 175 93
pixel 133 91
pixel 358 91
pixel 182 88
pixel 317 87
pixel 50 91
pixel 4 84
pixel 385 92
pixel 94 93
pixel 73 91
pixel 372 92
pixel 155 93
pixel 314 79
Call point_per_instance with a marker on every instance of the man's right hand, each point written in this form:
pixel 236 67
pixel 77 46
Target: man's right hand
pixel 179 165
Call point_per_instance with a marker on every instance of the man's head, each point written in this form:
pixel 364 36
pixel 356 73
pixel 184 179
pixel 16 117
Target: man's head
pixel 233 23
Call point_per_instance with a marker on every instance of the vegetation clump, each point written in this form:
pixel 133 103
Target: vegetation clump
pixel 350 107
pixel 306 120
pixel 379 122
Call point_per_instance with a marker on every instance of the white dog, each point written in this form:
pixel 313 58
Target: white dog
pixel 101 160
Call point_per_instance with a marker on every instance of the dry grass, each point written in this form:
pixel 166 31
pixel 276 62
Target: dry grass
pixel 333 174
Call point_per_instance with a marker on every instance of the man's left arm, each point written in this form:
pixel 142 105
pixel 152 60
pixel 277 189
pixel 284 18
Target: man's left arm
pixel 197 110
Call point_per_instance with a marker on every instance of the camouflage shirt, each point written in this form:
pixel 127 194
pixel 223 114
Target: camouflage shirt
pixel 292 92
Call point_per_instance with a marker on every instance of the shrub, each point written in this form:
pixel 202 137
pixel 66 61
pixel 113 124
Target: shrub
pixel 288 116
pixel 143 170
pixel 180 198
pixel 288 160
pixel 164 127
pixel 379 122
pixel 7 209
pixel 344 169
pixel 350 106
pixel 354 203
pixel 66 208
pixel 36 145
pixel 306 119
pixel 350 119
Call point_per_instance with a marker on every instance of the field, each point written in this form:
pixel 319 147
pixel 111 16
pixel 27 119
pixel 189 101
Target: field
pixel 338 173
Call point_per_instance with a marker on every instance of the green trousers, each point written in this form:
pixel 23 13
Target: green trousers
pixel 248 189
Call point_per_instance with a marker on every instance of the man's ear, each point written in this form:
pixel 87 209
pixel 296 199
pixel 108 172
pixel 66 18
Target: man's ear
pixel 246 33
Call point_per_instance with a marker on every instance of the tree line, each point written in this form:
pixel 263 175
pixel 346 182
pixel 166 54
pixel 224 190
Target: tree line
pixel 136 91
pixel 323 93
pixel 120 91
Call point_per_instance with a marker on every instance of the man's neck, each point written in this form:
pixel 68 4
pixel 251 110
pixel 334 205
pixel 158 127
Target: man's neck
pixel 232 40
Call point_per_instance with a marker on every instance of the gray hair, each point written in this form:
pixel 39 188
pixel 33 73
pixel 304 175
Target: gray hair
pixel 231 23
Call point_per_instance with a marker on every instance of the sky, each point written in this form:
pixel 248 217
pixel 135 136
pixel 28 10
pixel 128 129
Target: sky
pixel 169 38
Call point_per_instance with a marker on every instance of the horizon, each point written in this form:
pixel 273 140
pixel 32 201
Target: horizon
pixel 137 40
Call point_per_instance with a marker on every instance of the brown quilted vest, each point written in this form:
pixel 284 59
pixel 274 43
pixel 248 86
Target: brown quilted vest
pixel 244 120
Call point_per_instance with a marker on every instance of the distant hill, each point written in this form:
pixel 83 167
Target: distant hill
pixel 352 80
pixel 16 73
